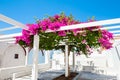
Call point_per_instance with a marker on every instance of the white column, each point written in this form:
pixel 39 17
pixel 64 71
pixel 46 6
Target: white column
pixel 35 57
pixel 47 57
pixel 27 54
pixel 118 73
pixel 66 60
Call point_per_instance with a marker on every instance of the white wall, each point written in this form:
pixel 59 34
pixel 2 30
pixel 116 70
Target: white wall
pixel 115 56
pixel 118 48
pixel 8 56
pixel 103 60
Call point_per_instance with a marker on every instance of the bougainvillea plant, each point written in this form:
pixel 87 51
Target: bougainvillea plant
pixel 82 40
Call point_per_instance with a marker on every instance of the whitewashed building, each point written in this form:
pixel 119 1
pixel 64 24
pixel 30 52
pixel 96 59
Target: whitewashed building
pixel 11 55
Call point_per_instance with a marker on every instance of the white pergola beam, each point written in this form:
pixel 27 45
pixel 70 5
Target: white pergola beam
pixel 7 40
pixel 11 21
pixel 19 34
pixel 89 24
pixel 83 25
pixel 10 35
pixel 115 31
pixel 9 28
pixel 116 34
pixel 11 42
pixel 111 27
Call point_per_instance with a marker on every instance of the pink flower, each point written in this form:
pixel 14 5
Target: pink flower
pixel 76 31
pixel 64 21
pixel 25 37
pixel 33 28
pixel 105 43
pixel 44 28
pixel 44 24
pixel 55 25
pixel 18 38
pixel 25 32
pixel 87 46
pixel 56 16
pixel 105 39
pixel 91 20
pixel 89 50
pixel 107 35
pixel 93 28
pixel 62 33
pixel 84 41
pixel 74 22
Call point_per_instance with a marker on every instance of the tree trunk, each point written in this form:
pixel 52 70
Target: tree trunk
pixel 73 64
pixel 68 60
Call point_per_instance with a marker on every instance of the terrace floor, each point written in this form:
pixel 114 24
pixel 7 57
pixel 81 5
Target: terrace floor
pixel 50 75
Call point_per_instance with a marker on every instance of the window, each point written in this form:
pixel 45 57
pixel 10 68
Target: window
pixel 16 56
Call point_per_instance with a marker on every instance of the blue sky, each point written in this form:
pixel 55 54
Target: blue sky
pixel 24 11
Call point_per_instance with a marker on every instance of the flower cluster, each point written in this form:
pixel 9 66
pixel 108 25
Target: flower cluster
pixel 81 40
pixel 105 39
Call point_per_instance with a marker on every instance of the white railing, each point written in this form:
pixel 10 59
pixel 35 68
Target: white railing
pixel 15 72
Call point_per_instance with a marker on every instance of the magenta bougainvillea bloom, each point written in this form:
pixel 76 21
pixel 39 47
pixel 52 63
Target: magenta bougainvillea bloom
pixel 76 31
pixel 84 41
pixel 33 28
pixel 44 24
pixel 81 39
pixel 62 33
pixel 105 40
pixel 107 35
pixel 105 43
pixel 18 38
pixel 54 26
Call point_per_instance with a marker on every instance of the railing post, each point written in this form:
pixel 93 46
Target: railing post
pixel 14 76
pixel 35 57
pixel 47 57
pixel 118 74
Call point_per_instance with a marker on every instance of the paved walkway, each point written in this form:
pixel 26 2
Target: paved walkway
pixel 24 78
pixel 93 76
pixel 50 75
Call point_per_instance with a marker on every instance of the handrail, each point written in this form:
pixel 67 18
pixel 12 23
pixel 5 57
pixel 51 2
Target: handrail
pixel 11 70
